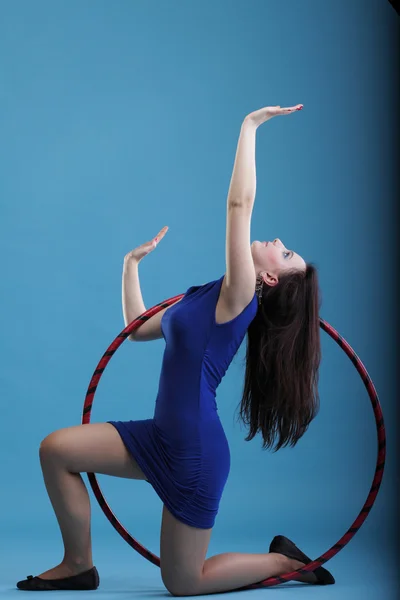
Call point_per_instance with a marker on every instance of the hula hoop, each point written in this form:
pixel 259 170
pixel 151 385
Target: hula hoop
pixel 350 533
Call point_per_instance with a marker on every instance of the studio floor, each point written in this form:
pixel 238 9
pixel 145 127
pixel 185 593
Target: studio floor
pixel 361 573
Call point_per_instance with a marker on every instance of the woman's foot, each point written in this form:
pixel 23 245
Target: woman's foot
pixel 282 545
pixel 63 570
pixel 293 565
pixel 60 578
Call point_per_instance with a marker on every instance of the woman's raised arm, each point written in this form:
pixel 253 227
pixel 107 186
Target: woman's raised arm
pixel 132 300
pixel 239 284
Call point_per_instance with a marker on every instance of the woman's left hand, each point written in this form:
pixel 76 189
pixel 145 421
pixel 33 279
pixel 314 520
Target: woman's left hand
pixel 264 114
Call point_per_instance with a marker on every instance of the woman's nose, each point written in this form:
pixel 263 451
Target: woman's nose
pixel 278 241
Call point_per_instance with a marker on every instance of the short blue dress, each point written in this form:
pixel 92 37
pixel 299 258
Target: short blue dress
pixel 183 450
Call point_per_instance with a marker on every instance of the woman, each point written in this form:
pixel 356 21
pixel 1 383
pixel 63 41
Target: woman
pixel 269 292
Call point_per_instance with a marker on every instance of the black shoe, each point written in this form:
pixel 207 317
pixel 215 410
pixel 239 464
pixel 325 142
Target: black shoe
pixel 282 545
pixel 88 580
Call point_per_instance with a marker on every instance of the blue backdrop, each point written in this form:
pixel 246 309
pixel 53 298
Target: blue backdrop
pixel 118 118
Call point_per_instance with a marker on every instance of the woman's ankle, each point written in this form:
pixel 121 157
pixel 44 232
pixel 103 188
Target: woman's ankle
pixel 294 565
pixel 77 565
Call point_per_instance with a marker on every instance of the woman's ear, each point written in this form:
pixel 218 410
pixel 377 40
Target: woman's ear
pixel 270 279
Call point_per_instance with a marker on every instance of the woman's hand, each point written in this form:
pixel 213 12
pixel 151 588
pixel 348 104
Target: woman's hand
pixel 264 114
pixel 141 251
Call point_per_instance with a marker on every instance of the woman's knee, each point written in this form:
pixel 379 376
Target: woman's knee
pixel 183 551
pixel 53 445
pixel 92 448
pixel 177 587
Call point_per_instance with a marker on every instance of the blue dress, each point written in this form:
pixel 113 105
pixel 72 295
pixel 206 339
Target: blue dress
pixel 183 450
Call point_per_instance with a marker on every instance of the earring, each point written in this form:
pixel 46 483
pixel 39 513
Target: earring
pixel 259 288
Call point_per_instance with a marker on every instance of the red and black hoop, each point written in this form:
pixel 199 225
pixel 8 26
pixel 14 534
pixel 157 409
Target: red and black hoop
pixel 350 533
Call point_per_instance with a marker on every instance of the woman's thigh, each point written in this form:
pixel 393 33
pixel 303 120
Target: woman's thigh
pixel 183 552
pixel 91 448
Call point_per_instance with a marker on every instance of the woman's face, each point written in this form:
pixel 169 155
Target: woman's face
pixel 273 258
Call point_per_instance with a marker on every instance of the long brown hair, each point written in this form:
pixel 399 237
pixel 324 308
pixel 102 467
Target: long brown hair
pixel 280 394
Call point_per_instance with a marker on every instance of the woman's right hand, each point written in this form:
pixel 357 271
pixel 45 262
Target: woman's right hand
pixel 258 117
pixel 141 251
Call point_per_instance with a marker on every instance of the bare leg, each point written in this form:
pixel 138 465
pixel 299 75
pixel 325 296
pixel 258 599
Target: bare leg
pixel 64 454
pixel 237 570
pixel 186 572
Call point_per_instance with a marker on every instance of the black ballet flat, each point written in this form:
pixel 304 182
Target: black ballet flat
pixel 282 545
pixel 88 580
